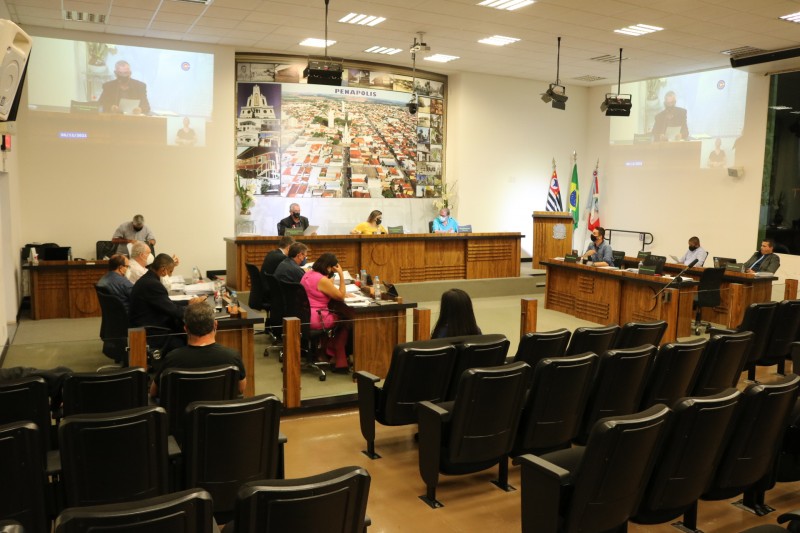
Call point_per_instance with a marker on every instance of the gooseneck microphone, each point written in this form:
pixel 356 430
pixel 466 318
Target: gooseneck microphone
pixel 676 278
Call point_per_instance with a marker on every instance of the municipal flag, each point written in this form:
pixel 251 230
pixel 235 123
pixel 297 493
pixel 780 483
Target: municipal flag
pixel 593 220
pixel 554 194
pixel 574 196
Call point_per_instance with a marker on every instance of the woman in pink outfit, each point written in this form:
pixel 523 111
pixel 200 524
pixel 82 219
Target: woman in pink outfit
pixel 321 290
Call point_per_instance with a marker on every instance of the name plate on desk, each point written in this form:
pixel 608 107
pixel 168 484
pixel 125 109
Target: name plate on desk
pixel 569 258
pixel 650 271
pixel 734 267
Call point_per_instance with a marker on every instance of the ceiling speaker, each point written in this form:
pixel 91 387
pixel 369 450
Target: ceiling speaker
pixel 17 46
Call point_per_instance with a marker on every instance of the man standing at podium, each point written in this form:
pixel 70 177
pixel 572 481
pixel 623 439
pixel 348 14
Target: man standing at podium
pixel 599 251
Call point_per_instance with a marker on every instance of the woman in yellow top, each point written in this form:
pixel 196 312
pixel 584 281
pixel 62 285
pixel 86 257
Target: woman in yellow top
pixel 371 226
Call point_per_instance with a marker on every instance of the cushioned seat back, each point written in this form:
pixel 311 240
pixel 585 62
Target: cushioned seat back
pixel 485 350
pixel 26 400
pixel 22 490
pixel 333 502
pixel 556 402
pixel 758 319
pixel 419 371
pixel 674 372
pixel 114 327
pixel 486 412
pixel 614 469
pixel 277 309
pixel 635 334
pixel 595 340
pixel 786 330
pixel 533 347
pixel 258 292
pixel 708 291
pixel 723 361
pixel 116 390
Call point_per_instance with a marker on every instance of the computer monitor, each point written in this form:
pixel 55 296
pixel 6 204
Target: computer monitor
pixel 55 253
pixel 720 262
pixel 642 255
pixel 655 261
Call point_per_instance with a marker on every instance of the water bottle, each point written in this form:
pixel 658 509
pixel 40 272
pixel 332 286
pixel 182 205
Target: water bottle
pixel 377 283
pixel 217 301
pixel 233 308
pixel 196 277
pixel 364 277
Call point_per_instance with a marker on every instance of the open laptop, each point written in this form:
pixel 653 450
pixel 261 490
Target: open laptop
pixel 720 262
pixel 310 230
pixel 55 253
pixel 675 258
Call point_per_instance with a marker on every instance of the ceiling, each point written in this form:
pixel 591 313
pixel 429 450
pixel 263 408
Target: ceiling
pixel 695 31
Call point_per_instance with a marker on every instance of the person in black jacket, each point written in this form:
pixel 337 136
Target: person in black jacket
pixel 124 87
pixel 293 221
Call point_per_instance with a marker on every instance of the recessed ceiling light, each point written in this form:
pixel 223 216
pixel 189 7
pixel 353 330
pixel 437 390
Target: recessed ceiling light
pixel 794 17
pixel 638 29
pixel 317 43
pixel 440 58
pixel 498 40
pixel 362 20
pixel 779 107
pixel 383 50
pixel 589 77
pixel 508 5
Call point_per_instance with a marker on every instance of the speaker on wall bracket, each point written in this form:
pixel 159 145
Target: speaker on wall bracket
pixel 15 46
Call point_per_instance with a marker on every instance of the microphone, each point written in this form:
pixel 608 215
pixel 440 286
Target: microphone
pixel 676 278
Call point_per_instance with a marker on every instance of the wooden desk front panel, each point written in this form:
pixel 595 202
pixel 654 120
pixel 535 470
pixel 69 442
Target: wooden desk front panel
pixel 394 261
pixel 374 337
pixel 49 294
pixel 82 294
pixel 583 294
pixel 65 290
pixel 241 340
pixel 673 305
pixel 444 259
pixel 492 259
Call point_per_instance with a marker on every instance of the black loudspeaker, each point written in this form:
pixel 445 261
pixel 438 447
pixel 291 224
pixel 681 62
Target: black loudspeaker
pixel 17 46
pixel 321 72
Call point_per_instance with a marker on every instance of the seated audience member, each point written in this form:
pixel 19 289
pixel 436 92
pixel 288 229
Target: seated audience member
pixel 444 223
pixel 290 270
pixel 599 250
pixel 115 281
pixel 201 350
pixel 140 258
pixel 321 290
pixel 293 221
pixel 274 257
pixel 695 251
pixel 371 226
pixel 456 317
pixel 150 303
pixel 765 260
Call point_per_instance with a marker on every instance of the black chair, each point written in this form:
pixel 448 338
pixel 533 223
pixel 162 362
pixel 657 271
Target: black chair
pixel 103 392
pixel 594 487
pixel 297 305
pixel 533 347
pixel 698 431
pixel 758 318
pixel 113 328
pixel 555 405
pixel 619 258
pixel 635 334
pixel 785 331
pixel 674 372
pixel 230 442
pixel 26 399
pixel 259 291
pixel 430 226
pixel 418 371
pixel 708 294
pixel 277 306
pixel 114 457
pixel 723 362
pixel 188 511
pixel 181 386
pixel 333 502
pixel 617 390
pixel 23 486
pixel 748 460
pixel 477 351
pixel 104 249
pixel 477 430
pixel 596 340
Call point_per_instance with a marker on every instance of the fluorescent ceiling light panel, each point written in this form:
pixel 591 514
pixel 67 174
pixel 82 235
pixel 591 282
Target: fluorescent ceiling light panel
pixel 638 29
pixel 794 17
pixel 498 40
pixel 508 5
pixel 82 16
pixel 316 43
pixel 383 50
pixel 440 58
pixel 362 20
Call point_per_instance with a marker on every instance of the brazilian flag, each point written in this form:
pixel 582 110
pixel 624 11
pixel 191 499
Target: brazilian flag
pixel 574 197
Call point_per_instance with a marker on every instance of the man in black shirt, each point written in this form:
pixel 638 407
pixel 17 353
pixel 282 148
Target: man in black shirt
pixel 202 350
pixel 293 221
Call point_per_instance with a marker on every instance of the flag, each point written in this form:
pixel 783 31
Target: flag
pixel 574 195
pixel 554 194
pixel 593 209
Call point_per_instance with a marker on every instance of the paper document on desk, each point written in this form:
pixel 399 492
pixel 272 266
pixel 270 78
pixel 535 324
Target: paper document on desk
pixel 181 297
pixel 352 288
pixel 202 287
pixel 347 276
pixel 675 258
pixel 764 274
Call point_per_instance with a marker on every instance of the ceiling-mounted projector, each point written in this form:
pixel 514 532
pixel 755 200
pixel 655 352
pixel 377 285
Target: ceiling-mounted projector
pixel 323 72
pixel 617 105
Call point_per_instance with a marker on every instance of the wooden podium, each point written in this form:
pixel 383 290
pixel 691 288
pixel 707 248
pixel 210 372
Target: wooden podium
pixel 552 235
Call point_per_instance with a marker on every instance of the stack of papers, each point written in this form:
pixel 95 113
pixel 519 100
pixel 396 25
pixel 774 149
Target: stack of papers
pixel 204 287
pixel 358 300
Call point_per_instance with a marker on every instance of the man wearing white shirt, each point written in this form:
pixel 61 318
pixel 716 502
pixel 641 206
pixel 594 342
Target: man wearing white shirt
pixel 695 251
pixel 140 258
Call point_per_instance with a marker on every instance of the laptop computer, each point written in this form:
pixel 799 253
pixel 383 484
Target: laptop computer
pixel 55 253
pixel 310 230
pixel 720 262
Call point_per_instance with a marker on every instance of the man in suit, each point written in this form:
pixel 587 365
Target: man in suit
pixel 765 260
pixel 293 221
pixel 276 256
pixel 124 87
pixel 671 117
pixel 290 270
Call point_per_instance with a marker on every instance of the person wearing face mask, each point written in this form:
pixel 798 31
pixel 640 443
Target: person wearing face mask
pixel 695 251
pixel 293 221
pixel 444 223
pixel 321 290
pixel 124 88
pixel 671 117
pixel 140 258
pixel 150 303
pixel 599 251
pixel 371 226
pixel 130 232
pixel 290 270
pixel 115 282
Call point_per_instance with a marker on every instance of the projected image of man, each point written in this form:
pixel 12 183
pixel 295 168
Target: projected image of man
pixel 124 94
pixel 670 124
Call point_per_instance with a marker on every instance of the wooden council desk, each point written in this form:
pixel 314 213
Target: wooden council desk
pixel 612 296
pixel 394 257
pixel 65 289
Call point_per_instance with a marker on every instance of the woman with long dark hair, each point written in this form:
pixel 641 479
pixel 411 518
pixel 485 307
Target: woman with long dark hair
pixel 456 317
